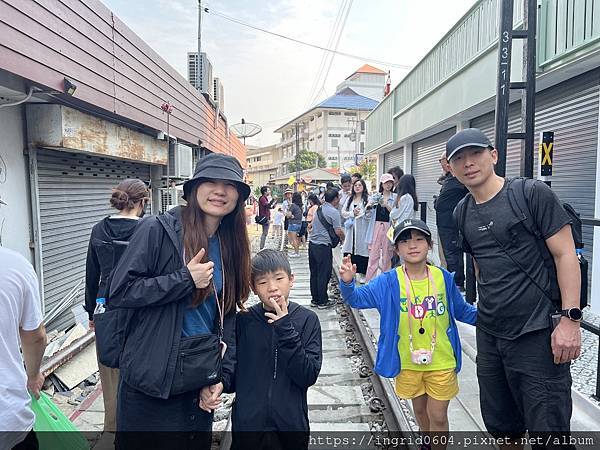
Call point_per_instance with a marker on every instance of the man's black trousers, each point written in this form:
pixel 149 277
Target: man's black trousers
pixel 320 261
pixel 520 387
pixel 454 256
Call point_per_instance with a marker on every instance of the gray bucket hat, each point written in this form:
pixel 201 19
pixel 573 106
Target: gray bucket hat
pixel 217 166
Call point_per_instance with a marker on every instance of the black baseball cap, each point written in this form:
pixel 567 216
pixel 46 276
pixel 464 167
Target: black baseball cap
pixel 411 224
pixel 470 137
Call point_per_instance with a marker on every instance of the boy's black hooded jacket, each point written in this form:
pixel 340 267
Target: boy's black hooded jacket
pixel 100 256
pixel 276 364
pixel 154 284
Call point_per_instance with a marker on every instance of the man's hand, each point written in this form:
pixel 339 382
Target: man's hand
pixel 279 311
pixel 91 325
pixel 566 341
pixel 202 273
pixel 347 269
pixel 210 397
pixel 35 384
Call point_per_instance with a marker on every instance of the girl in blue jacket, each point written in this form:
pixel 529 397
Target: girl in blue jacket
pixel 419 344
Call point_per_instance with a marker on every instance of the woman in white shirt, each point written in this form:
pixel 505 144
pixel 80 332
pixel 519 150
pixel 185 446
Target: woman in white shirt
pixel 357 220
pixel 405 207
pixel 406 204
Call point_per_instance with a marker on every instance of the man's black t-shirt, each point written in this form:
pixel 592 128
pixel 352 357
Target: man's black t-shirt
pixel 510 304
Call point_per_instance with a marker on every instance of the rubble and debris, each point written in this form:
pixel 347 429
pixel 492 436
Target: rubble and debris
pixel 79 368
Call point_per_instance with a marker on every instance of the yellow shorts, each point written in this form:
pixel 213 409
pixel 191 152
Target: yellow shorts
pixel 438 384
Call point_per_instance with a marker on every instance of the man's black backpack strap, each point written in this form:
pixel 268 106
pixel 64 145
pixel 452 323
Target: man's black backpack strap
pixel 459 215
pixel 520 191
pixel 335 239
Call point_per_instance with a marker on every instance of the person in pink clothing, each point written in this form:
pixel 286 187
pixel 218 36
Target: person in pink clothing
pixel 380 248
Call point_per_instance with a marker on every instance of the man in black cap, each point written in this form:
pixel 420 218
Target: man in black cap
pixel 522 363
pixel 451 193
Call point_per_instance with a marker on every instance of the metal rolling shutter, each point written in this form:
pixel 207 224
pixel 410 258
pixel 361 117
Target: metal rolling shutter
pixel 74 191
pixel 487 124
pixel 426 170
pixel 393 158
pixel 571 111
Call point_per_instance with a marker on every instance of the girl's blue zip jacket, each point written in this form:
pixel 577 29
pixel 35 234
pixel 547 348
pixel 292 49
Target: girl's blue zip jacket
pixel 383 293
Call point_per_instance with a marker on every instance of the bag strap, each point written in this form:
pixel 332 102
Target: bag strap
pixel 459 215
pixel 324 221
pixel 518 191
pixel 507 253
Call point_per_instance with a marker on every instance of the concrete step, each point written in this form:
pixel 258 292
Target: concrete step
pixel 341 414
pixel 331 396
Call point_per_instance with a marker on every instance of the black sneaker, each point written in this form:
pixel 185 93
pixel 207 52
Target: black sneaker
pixel 313 304
pixel 326 305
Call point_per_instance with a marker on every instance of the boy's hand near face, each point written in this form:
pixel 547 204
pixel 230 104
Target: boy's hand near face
pixel 347 270
pixel 280 311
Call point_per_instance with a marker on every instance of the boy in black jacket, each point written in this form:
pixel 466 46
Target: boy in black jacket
pixel 278 359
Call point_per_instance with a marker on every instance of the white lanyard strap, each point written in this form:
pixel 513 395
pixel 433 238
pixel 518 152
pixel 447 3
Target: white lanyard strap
pixel 407 286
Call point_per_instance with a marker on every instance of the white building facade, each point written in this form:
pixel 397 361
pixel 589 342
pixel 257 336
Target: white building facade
pixel 335 128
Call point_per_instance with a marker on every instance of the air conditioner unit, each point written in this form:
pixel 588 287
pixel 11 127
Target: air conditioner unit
pixel 171 198
pixel 180 161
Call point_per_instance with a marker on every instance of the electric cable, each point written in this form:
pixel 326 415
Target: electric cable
pixel 339 37
pixel 325 54
pixel 308 44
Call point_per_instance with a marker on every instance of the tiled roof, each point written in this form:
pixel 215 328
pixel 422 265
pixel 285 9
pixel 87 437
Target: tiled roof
pixel 348 99
pixel 370 69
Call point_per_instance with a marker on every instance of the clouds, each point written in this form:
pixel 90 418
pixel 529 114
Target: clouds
pixel 267 80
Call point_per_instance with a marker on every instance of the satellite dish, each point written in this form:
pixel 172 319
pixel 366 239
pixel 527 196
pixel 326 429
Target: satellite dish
pixel 245 129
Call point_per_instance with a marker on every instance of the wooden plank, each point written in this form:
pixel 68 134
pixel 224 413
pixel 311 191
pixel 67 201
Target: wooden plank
pixel 36 50
pixel 140 66
pixel 51 78
pixel 47 40
pixel 91 11
pixel 25 24
pixel 67 19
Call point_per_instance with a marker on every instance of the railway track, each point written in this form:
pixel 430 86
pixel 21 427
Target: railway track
pixel 349 400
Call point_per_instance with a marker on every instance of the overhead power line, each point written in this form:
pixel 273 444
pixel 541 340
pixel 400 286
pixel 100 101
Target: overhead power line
pixel 348 5
pixel 308 44
pixel 325 55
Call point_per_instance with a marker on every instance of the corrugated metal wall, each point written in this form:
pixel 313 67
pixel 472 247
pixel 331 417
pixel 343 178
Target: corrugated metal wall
pixel 426 170
pixel 486 123
pixel 571 111
pixel 74 191
pixel 393 158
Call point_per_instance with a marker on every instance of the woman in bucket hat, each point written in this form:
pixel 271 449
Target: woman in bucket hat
pixel 180 280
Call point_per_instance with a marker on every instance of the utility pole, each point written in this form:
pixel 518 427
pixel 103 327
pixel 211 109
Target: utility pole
pixel 505 85
pixel 198 76
pixel 297 156
pixel 528 94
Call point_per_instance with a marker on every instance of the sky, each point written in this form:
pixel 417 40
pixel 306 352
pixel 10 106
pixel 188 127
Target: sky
pixel 268 80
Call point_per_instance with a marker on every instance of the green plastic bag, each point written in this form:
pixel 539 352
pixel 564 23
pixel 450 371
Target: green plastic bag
pixel 53 429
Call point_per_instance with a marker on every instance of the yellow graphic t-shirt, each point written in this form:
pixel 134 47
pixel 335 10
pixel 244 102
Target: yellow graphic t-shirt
pixel 426 312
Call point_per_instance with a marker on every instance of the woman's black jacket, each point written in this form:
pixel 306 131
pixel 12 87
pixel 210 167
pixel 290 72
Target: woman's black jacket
pixel 108 239
pixel 153 283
